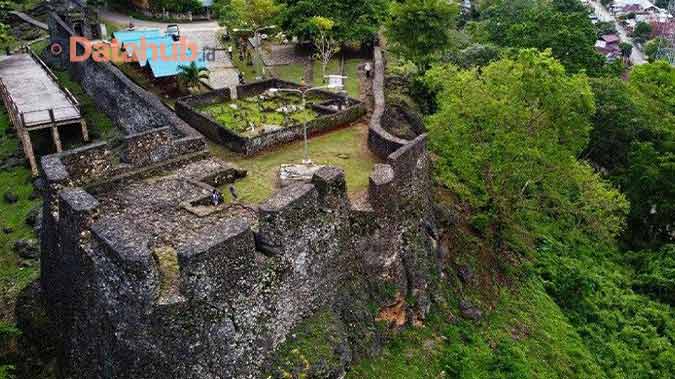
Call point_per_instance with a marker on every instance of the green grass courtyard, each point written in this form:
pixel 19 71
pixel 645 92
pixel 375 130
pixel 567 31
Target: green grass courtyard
pixel 345 148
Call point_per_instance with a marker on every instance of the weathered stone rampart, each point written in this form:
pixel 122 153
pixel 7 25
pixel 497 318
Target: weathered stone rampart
pixel 143 279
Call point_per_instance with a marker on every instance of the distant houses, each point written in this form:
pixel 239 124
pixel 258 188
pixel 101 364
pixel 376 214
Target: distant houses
pixel 608 46
pixel 635 11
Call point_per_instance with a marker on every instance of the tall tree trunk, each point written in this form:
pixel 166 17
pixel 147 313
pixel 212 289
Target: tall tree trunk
pixel 309 71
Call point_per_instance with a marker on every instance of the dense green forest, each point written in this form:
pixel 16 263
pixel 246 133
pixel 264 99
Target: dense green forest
pixel 564 169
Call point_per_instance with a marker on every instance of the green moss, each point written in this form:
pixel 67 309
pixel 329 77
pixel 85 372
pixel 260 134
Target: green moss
pixel 312 341
pixel 345 148
pixel 168 270
pixel 526 337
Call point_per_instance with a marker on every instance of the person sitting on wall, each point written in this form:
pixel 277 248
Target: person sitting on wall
pixel 216 198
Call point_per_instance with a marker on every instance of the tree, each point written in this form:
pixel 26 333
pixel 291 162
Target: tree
pixel 323 41
pixel 251 14
pixel 659 48
pixel 633 141
pixel 626 49
pixel 641 32
pixel 507 139
pixel 419 30
pixel 5 37
pixel 542 25
pixel 605 27
pixel 475 55
pixel 619 120
pixel 355 20
pixel 190 76
pixel 179 6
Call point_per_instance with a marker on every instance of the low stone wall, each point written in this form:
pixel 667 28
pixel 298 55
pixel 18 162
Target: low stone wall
pixel 186 108
pixel 380 141
pixel 96 162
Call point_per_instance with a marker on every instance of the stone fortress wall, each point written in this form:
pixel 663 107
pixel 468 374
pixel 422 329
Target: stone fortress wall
pixel 218 302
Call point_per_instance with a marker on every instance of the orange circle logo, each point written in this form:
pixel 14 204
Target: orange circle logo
pixel 56 48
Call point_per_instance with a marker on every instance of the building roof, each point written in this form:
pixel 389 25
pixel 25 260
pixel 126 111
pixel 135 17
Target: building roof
pixel 162 68
pixel 610 38
pixel 125 36
pixel 160 52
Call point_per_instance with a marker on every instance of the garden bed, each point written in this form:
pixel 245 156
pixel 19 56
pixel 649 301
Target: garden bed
pixel 254 122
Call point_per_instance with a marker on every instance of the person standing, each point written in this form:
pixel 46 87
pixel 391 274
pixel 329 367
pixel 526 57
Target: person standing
pixel 229 52
pixel 368 69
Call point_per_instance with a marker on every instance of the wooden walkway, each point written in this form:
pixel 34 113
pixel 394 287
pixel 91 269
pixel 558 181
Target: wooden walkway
pixel 35 100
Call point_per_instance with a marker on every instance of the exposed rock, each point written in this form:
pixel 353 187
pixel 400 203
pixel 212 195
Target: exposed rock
pixel 293 173
pixel 33 216
pixel 27 249
pixel 394 314
pixel 465 273
pixel 7 230
pixel 10 197
pixel 469 310
pixel 12 163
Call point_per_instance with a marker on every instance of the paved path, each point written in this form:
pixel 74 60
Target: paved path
pixel 34 92
pixel 123 20
pixel 636 56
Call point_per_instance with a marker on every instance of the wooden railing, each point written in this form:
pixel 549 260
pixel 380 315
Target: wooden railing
pixel 10 105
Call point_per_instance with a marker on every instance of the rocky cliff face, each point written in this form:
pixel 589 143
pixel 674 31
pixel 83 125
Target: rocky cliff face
pixel 137 286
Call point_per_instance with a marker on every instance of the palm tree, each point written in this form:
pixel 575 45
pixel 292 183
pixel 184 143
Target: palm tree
pixel 190 76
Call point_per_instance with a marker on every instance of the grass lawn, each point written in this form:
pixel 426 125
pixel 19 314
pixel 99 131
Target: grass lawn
pixel 98 123
pixel 13 278
pixel 295 73
pixel 345 148
pixel 239 114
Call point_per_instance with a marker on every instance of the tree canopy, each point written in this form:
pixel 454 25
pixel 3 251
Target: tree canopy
pixel 248 13
pixel 507 140
pixel 420 30
pixel 355 20
pixel 559 25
